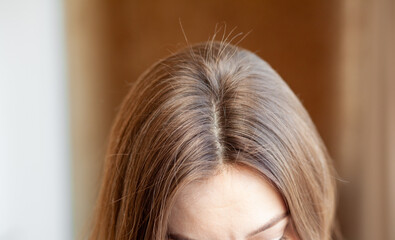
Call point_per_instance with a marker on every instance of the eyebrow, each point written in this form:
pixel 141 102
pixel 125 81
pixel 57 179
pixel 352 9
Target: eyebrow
pixel 269 224
pixel 273 221
pixel 176 236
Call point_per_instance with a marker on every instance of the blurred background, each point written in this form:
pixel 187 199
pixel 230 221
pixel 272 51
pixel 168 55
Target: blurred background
pixel 65 67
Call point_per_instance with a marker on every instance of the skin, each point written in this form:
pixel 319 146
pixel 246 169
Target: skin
pixel 232 205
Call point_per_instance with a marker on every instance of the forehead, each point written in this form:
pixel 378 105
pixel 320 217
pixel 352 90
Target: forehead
pixel 228 205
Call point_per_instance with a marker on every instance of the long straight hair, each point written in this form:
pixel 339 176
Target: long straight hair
pixel 206 106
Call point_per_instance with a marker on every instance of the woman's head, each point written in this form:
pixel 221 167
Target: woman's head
pixel 213 114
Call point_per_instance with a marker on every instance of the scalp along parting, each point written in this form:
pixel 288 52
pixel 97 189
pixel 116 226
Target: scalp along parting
pixel 209 105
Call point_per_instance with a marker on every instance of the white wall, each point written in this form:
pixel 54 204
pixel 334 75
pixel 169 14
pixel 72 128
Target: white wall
pixel 35 195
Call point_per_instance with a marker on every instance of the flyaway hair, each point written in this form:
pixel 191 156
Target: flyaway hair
pixel 208 106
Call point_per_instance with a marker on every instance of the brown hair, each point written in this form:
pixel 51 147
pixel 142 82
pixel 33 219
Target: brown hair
pixel 205 106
